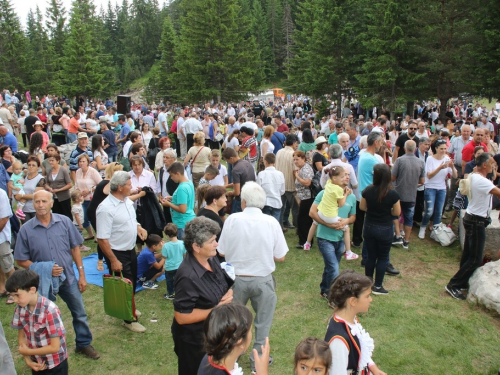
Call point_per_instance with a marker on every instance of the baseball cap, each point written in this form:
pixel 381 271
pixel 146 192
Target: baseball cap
pixel 82 135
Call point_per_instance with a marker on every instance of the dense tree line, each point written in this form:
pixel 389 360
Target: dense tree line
pixel 389 52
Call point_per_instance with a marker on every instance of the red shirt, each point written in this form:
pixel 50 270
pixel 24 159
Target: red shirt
pixel 73 126
pixel 468 150
pixel 282 128
pixel 43 118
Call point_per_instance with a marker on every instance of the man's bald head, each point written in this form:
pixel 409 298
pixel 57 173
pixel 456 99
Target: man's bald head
pixel 410 146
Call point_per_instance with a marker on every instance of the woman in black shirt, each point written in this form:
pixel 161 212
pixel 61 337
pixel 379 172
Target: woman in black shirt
pixel 200 285
pixel 381 204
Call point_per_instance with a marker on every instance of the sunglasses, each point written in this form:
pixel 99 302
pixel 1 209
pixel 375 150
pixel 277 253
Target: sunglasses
pixel 412 128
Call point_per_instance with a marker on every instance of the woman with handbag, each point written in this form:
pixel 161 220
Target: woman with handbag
pixel 200 285
pixel 200 156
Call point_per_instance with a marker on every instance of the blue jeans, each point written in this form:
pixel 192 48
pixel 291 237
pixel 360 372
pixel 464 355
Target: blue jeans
pixel 72 137
pixel 271 211
pixel 170 278
pixel 71 295
pixel 180 233
pixel 434 203
pixel 332 254
pixel 472 256
pixel 86 221
pixel 112 156
pixel 229 173
pixel 236 207
pixel 378 242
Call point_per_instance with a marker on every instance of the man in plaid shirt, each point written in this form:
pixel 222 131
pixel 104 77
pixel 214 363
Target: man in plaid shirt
pixel 41 336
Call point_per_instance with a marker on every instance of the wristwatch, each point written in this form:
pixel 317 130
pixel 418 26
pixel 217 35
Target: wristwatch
pixel 80 267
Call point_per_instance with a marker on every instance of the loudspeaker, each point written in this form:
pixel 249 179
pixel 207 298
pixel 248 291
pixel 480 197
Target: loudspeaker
pixel 123 104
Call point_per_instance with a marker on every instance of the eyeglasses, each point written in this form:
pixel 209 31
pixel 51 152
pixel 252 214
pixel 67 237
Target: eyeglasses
pixel 412 128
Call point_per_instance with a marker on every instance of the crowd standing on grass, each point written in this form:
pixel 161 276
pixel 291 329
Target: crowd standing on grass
pixel 130 178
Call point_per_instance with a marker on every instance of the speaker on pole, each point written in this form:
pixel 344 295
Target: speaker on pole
pixel 123 104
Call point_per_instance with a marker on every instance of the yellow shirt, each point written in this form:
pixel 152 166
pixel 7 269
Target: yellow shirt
pixel 329 205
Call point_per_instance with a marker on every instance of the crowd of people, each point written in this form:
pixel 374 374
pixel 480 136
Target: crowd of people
pixel 133 180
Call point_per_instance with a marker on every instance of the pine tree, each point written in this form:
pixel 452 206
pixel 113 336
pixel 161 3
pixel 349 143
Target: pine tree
pixel 214 60
pixel 13 48
pixel 387 76
pixel 56 25
pixel 288 30
pixel 41 79
pixel 260 30
pixel 86 69
pixel 275 22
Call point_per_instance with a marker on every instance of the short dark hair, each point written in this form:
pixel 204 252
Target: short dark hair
pixel 373 137
pixel 291 139
pixel 121 117
pixel 136 148
pixel 348 284
pixel 229 153
pixel 22 280
pixel 214 192
pixel 33 158
pixel 153 240
pixel 270 158
pixel 176 167
pixel 481 159
pixel 170 230
pixel 214 171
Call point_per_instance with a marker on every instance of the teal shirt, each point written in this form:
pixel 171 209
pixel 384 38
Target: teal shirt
pixel 174 252
pixel 307 146
pixel 365 170
pixel 349 208
pixel 332 139
pixel 183 195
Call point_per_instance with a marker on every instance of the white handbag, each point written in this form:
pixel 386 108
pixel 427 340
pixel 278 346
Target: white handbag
pixel 443 235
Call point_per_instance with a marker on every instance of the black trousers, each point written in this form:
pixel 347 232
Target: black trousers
pixel 304 221
pixel 189 356
pixel 357 228
pixel 189 141
pixel 419 206
pixel 63 208
pixel 61 369
pixel 128 260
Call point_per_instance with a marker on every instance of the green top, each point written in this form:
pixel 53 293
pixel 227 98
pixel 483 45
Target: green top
pixel 307 146
pixel 349 208
pixel 183 195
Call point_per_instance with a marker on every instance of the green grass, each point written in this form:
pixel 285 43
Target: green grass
pixel 417 328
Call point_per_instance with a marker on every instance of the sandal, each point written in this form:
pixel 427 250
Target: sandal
pixel 100 266
pixel 10 300
pixel 4 294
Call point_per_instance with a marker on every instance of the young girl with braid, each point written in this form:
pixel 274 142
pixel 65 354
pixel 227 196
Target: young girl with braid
pixel 228 334
pixel 350 344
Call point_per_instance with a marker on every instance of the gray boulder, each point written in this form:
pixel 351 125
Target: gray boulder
pixel 484 286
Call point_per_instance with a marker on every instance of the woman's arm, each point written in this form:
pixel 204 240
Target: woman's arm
pixel 396 209
pixel 303 181
pixel 99 165
pixel 186 160
pixel 264 148
pixel 362 204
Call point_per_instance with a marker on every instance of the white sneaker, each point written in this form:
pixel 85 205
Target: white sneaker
pixel 349 255
pixel 421 232
pixel 135 327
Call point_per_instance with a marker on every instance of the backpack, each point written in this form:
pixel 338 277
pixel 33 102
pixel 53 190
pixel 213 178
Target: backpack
pixel 315 184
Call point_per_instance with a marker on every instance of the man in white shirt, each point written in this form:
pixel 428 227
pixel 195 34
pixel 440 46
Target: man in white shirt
pixel 191 126
pixel 273 183
pixel 162 122
pixel 181 135
pixel 476 219
pixel 250 124
pixel 254 263
pixel 230 110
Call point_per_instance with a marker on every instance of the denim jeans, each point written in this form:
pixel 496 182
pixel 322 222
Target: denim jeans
pixel 377 242
pixel 180 233
pixel 170 278
pixel 472 256
pixel 86 222
pixel 112 157
pixel 271 211
pixel 289 204
pixel 72 137
pixel 71 295
pixel 332 254
pixel 236 206
pixel 434 203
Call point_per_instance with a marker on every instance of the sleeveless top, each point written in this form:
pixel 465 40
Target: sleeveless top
pixel 340 329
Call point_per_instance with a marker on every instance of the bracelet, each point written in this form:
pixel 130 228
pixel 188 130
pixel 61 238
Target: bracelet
pixel 80 267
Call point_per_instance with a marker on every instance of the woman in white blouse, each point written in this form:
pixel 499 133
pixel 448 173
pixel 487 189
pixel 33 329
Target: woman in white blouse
pixel 266 146
pixel 146 135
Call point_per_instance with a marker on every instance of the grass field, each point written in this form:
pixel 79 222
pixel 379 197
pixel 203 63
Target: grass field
pixel 417 328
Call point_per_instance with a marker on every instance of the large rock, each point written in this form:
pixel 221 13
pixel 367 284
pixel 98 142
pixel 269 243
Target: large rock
pixel 484 286
pixel 492 244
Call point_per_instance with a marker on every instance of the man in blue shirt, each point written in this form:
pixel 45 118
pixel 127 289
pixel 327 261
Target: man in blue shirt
pixel 278 140
pixel 7 138
pixel 51 237
pixel 109 135
pixel 125 129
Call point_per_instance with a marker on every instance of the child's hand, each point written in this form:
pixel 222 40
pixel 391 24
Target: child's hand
pixel 262 362
pixel 348 191
pixel 23 349
pixel 34 365
pixel 21 182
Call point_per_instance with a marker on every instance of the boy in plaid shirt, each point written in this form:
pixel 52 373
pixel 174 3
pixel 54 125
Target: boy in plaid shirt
pixel 41 333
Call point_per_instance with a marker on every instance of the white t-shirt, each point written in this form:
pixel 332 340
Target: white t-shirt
pixel 126 148
pixel 146 137
pixel 219 179
pixel 439 180
pixel 480 203
pixel 233 142
pixel 270 146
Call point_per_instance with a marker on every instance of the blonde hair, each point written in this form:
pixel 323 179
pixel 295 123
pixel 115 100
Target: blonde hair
pixel 111 168
pixel 199 138
pixel 268 131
